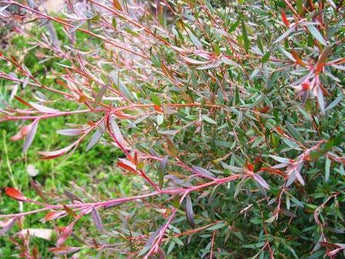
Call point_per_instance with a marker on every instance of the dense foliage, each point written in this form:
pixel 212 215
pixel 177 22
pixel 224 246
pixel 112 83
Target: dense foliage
pixel 225 117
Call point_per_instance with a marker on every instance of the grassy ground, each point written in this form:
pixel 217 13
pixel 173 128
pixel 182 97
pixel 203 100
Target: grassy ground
pixel 93 170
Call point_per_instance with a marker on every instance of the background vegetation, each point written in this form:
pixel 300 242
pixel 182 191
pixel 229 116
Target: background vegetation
pixel 190 129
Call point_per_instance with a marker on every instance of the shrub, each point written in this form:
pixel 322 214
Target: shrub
pixel 229 118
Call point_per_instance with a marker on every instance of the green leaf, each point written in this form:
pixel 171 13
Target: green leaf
pixel 299 4
pixel 237 96
pixel 257 141
pixel 155 99
pixel 334 103
pixel 327 169
pixel 122 88
pixel 266 57
pixel 294 132
pixel 316 34
pixel 254 246
pixel 284 35
pixel 245 37
pixel 234 26
pixel 217 226
pixel 209 120
pixel 194 39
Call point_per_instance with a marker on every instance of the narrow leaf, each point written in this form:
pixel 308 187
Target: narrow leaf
pixel 116 130
pixel 194 61
pixel 70 211
pixel 54 215
pixel 126 165
pixel 122 88
pixel 56 153
pixel 294 132
pixel 94 139
pixel 100 94
pixel 117 5
pixel 285 19
pixel 64 250
pixel 203 172
pixel 209 120
pixel 266 57
pixel 6 225
pixel 316 34
pixel 245 37
pixel 72 196
pixel 194 39
pixel 15 194
pixel 70 132
pixel 320 100
pixel 43 108
pixel 65 234
pixel 30 135
pixel 217 226
pixel 189 211
pixel 334 103
pixel 261 181
pixel 284 35
pixel 281 159
pixel 97 219
pixel 232 168
pixel 327 169
pixel 161 170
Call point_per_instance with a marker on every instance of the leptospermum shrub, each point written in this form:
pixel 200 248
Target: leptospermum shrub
pixel 229 117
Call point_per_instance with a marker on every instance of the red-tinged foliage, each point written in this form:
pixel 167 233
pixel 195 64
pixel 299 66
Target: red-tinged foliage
pixel 250 167
pixel 56 153
pixel 65 233
pixel 280 130
pixel 64 250
pixel 15 194
pixel 299 61
pixel 127 165
pixel 158 108
pixel 117 5
pixel 285 19
pixel 228 121
pixel 54 215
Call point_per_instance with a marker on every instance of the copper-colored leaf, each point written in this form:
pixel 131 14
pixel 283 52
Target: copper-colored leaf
pixel 82 98
pixel 158 108
pixel 70 212
pixel 54 215
pixel 117 5
pixel 285 20
pixel 15 194
pixel 299 61
pixel 22 101
pixel 61 83
pixel 127 165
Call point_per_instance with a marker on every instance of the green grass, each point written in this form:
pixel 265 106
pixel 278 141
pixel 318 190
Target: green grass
pixel 95 169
